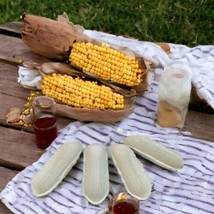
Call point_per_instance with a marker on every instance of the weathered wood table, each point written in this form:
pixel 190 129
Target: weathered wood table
pixel 17 144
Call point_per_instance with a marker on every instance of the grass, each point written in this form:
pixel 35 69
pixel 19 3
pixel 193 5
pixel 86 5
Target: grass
pixel 188 22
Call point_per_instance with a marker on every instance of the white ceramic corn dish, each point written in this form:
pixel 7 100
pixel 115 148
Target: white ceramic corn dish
pixel 56 168
pixel 131 170
pixel 95 173
pixel 155 152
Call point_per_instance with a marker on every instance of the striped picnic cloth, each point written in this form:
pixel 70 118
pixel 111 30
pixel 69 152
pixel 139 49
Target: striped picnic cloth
pixel 186 191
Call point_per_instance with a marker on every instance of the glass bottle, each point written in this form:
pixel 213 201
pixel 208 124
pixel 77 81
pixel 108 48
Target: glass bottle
pixel 174 91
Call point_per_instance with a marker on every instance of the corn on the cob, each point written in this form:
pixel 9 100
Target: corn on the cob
pixel 80 93
pixel 107 63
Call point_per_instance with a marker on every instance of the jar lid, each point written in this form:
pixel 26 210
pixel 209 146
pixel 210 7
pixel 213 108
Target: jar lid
pixel 44 101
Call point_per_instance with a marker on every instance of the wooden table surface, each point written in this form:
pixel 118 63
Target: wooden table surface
pixel 17 144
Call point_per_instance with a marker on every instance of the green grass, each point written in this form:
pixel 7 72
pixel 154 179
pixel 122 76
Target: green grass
pixel 188 22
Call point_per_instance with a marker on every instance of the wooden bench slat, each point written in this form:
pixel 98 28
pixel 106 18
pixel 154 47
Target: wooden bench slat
pixel 13 49
pixel 9 82
pixel 5 176
pixel 20 150
pixel 7 102
pixel 200 125
pixel 12 28
pixel 4 209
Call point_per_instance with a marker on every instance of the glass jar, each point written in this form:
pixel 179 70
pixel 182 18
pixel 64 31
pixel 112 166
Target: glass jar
pixel 44 120
pixel 123 203
pixel 174 91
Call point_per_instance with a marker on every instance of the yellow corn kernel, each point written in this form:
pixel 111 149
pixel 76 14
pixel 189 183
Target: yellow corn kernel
pixel 81 93
pixel 107 63
pixel 26 111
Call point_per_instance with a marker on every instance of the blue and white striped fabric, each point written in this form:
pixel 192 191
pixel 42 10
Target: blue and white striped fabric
pixel 187 191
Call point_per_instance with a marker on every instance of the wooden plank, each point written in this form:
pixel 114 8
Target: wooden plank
pixel 8 71
pixel 164 46
pixel 9 82
pixel 12 28
pixel 200 125
pixel 22 144
pixel 13 49
pixel 7 102
pixel 5 176
pixel 4 209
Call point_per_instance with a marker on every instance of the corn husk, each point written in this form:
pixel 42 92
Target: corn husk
pixel 14 115
pixel 51 38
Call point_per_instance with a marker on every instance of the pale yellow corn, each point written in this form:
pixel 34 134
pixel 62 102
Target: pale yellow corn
pixel 106 63
pixel 80 93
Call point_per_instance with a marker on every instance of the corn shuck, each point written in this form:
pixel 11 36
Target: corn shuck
pixel 81 93
pixel 106 63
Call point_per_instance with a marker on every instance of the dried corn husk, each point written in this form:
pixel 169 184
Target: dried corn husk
pixel 51 38
pixel 13 115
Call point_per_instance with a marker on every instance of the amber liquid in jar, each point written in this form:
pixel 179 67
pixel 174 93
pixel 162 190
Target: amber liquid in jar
pixel 123 203
pixel 45 129
pixel 125 207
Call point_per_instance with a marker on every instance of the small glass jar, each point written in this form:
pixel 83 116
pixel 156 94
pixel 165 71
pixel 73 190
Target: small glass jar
pixel 123 203
pixel 44 120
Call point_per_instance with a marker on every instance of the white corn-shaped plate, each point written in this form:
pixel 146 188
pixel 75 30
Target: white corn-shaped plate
pixel 133 175
pixel 95 173
pixel 155 152
pixel 56 168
